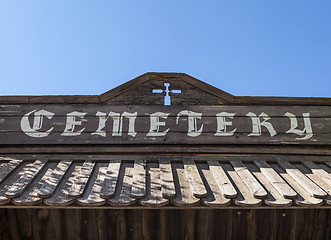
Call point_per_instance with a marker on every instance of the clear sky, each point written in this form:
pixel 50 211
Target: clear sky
pixel 248 47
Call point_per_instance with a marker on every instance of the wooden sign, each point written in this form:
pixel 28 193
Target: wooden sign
pixel 107 124
pixel 164 109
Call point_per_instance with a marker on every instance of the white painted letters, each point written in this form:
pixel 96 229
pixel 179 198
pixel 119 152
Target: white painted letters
pixel 71 123
pixel 222 123
pixel 117 123
pixel 155 124
pixel 307 132
pixel 257 124
pixel 192 122
pixel 37 123
pixel 161 124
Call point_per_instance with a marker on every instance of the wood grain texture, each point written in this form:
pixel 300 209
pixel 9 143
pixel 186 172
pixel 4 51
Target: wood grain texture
pixel 53 178
pixel 276 181
pixel 122 195
pixel 139 179
pixel 215 197
pixel 167 180
pixel 84 175
pixel 184 194
pixel 194 179
pixel 320 179
pixel 8 182
pixel 110 181
pixel 319 171
pixel 304 198
pixel 7 167
pixel 274 197
pixel 245 197
pixel 253 185
pixel 11 133
pixel 26 177
pixel 60 196
pixel 196 149
pixel 30 195
pixel 165 224
pixel 153 196
pixel 301 179
pixel 91 196
pixel 222 180
pixel 171 138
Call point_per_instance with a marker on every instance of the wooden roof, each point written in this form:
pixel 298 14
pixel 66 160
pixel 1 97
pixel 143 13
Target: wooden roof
pixel 160 181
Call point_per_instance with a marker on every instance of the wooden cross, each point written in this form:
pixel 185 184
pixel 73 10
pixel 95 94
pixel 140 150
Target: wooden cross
pixel 167 99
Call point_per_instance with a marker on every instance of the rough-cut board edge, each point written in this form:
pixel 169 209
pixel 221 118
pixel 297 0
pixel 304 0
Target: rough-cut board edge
pixel 226 97
pixel 166 148
pixel 116 158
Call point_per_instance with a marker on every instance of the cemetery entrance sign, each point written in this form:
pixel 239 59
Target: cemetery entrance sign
pixel 140 124
pixel 185 119
pixel 165 156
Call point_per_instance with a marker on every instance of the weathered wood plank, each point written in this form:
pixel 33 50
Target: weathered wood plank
pixel 79 185
pixel 8 182
pixel 252 184
pixel 245 197
pixel 290 149
pixel 215 197
pixel 11 133
pixel 60 196
pixel 111 179
pixel 301 179
pixel 206 110
pixel 55 138
pixel 167 180
pixel 304 198
pixel 318 179
pixel 90 123
pixel 277 182
pixel 165 224
pixel 184 194
pixel 53 179
pixel 122 195
pixel 222 179
pixel 194 179
pixel 153 196
pixel 153 156
pixel 7 168
pixel 317 170
pixel 274 197
pixel 91 196
pixel 28 174
pixel 30 195
pixel 139 179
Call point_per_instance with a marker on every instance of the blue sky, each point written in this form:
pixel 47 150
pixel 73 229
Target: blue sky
pixel 247 48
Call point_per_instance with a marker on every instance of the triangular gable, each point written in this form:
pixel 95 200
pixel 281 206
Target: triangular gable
pixel 151 88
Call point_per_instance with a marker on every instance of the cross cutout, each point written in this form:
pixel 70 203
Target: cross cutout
pixel 167 99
